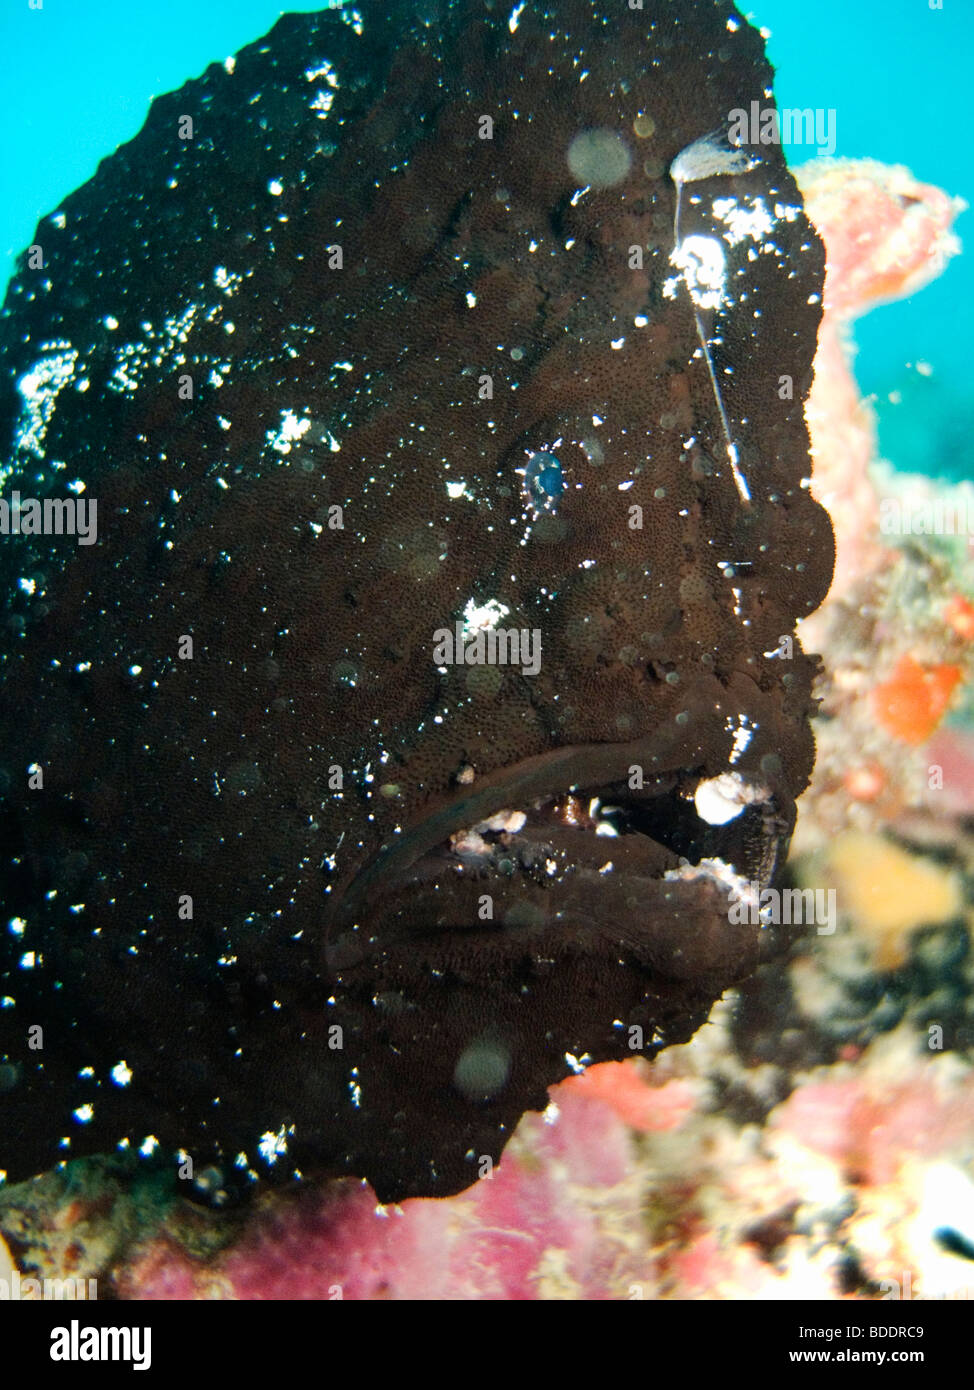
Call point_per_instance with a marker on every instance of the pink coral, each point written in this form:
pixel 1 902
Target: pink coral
pixel 633 1096
pixel 872 1127
pixel 886 235
pixel 551 1221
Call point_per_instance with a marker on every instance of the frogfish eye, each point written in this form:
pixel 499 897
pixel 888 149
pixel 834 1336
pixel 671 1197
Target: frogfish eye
pixel 544 481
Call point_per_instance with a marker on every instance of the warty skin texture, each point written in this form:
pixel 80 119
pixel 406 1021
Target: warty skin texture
pixel 318 906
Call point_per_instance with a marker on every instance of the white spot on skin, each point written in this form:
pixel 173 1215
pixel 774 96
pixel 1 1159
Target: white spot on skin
pixel 39 389
pixel 121 1074
pixel 578 1064
pixel 271 1146
pixel 227 280
pixel 482 617
pixel 743 733
pixel 703 269
pixel 323 69
pixel 717 871
pixel 292 429
pixel 743 222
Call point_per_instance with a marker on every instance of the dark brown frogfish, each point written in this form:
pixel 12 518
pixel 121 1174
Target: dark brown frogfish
pixel 405 522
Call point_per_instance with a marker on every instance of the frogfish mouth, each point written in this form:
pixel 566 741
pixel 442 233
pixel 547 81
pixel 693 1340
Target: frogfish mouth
pixel 428 697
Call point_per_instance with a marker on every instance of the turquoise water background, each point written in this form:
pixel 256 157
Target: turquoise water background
pixel 78 75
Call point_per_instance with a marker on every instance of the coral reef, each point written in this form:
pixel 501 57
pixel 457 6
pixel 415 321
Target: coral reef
pixel 895 630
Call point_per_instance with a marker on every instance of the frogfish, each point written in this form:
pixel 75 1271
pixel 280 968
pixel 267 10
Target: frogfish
pixel 409 320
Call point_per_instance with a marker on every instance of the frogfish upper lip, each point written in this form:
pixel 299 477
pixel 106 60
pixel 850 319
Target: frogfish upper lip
pixel 528 824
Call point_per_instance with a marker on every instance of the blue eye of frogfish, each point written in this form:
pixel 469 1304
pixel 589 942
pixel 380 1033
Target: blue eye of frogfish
pixel 544 481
